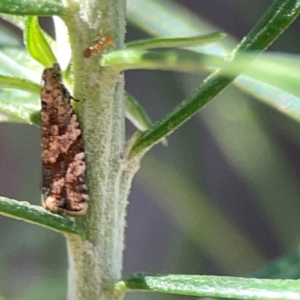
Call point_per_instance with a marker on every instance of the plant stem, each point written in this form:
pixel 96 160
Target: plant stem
pixel 96 260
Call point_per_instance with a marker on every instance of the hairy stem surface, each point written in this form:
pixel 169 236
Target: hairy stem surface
pixel 96 259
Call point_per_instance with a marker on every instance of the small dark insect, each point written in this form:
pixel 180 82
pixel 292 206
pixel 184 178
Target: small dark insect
pixel 106 40
pixel 64 190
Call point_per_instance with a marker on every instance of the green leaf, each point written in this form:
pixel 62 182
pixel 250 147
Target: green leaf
pixel 136 114
pixel 18 96
pixel 285 267
pixel 12 67
pixel 176 42
pixel 216 286
pixel 36 43
pixel 21 59
pixel 16 105
pixel 29 7
pixel 37 215
pixel 177 60
pixel 19 83
pixel 278 69
pixel 35 117
pixel 281 70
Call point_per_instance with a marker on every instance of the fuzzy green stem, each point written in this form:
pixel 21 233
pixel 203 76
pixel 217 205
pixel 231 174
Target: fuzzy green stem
pixel 96 260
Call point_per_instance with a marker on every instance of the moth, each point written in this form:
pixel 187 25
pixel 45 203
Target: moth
pixel 64 190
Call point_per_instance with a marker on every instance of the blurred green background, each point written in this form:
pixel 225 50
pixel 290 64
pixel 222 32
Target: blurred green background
pixel 222 198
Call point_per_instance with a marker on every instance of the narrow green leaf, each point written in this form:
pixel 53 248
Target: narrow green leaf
pixel 278 69
pixel 29 7
pixel 216 286
pixel 7 114
pixel 36 43
pixel 276 76
pixel 281 100
pixel 177 42
pixel 177 60
pixel 19 83
pixel 136 114
pixel 10 66
pixel 286 267
pixel 35 117
pixel 281 70
pixel 15 105
pixel 37 215
pixel 279 16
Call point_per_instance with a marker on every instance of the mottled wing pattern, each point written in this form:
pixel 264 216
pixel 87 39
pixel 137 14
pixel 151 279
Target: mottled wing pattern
pixel 64 189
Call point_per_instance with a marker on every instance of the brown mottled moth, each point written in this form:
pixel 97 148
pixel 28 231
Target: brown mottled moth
pixel 64 190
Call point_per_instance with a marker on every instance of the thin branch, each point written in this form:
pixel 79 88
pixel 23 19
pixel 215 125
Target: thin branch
pixel 279 16
pixel 37 215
